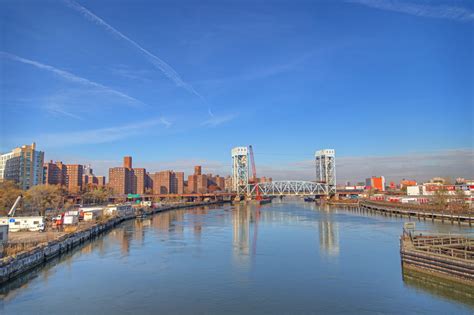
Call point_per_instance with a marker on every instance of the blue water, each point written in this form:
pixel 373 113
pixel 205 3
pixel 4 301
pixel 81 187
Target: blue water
pixel 285 257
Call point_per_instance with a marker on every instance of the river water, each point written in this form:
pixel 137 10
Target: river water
pixel 285 257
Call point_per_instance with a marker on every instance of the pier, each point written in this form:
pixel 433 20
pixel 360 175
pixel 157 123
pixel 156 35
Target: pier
pixel 446 256
pixel 413 212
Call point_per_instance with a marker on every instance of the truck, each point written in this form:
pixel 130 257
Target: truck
pixel 70 219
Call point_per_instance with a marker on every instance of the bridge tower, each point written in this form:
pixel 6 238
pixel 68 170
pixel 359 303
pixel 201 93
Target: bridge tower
pixel 326 169
pixel 240 170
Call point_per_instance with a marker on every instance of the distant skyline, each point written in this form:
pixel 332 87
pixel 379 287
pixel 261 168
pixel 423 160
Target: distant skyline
pixel 387 84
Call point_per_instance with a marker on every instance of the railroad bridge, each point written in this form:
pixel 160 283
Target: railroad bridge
pixel 244 184
pixel 289 188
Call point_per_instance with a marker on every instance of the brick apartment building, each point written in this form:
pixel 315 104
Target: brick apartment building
pixel 54 173
pixel 74 174
pixel 122 179
pixel 168 182
pixel 91 180
pixel 139 181
pixel 197 183
pixel 128 180
pixel 69 175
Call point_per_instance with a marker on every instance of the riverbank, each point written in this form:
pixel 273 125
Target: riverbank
pixel 406 210
pixel 15 265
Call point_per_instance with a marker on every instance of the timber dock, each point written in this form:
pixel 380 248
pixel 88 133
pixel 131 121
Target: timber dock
pixel 446 256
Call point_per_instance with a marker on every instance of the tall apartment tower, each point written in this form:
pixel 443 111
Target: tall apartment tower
pixel 23 165
pixel 192 184
pixel 74 174
pixel 54 173
pixel 119 180
pixel 197 170
pixel 240 170
pixel 326 169
pixel 201 184
pixel 127 162
pixel 122 179
pixel 179 178
pixel 139 181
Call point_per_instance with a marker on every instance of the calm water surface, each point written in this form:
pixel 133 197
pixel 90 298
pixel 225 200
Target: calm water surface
pixel 286 257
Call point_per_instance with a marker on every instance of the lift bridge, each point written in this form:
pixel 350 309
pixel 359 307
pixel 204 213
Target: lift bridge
pixel 243 185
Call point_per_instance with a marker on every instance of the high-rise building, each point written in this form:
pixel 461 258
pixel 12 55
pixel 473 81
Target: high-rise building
pixel 220 182
pixel 120 180
pixel 74 174
pixel 127 162
pixel 54 173
pixel 100 181
pixel 197 170
pixel 162 182
pixel 127 180
pixel 23 165
pixel 139 182
pixel 179 178
pixel 90 180
pixel 192 184
pixel 74 177
pixel 168 182
pixel 201 184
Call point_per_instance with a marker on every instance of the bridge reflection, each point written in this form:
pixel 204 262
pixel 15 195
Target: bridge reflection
pixel 328 233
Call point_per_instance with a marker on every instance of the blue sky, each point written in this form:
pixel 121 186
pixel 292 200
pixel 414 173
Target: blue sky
pixel 175 83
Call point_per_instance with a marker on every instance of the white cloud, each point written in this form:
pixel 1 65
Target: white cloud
pixel 419 166
pixel 95 136
pixel 420 9
pixel 215 121
pixel 160 64
pixel 73 78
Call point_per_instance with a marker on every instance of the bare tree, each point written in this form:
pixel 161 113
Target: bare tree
pixel 441 198
pixel 9 191
pixel 43 197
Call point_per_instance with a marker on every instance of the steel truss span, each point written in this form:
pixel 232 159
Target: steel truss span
pixel 289 188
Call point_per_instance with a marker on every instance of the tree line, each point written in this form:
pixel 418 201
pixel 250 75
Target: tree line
pixel 41 198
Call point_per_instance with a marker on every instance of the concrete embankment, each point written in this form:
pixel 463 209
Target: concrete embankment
pixel 13 266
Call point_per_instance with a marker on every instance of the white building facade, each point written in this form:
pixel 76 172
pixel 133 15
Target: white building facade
pixel 23 165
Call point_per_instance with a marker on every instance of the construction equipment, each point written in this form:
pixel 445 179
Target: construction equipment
pixel 11 213
pixel 254 180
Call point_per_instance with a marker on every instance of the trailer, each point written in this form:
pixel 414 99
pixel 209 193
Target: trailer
pixel 119 210
pixel 16 224
pixel 70 219
pixel 91 213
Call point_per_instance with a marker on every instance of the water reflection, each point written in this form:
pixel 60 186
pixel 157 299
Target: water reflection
pixel 245 221
pixel 328 233
pixel 438 287
pixel 209 258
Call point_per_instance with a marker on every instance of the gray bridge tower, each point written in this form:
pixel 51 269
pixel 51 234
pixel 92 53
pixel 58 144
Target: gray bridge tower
pixel 326 170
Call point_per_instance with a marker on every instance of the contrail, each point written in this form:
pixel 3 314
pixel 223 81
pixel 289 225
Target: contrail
pixel 69 76
pixel 155 60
